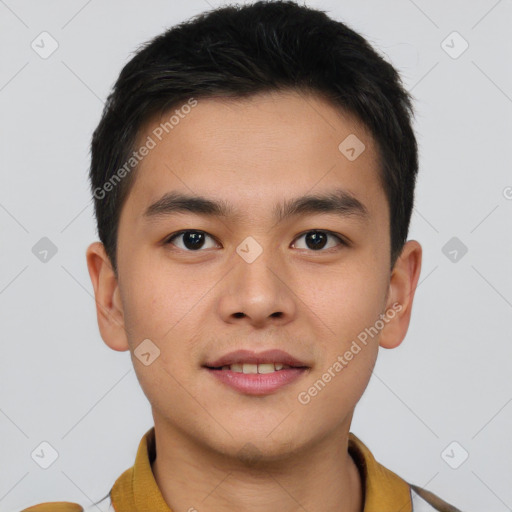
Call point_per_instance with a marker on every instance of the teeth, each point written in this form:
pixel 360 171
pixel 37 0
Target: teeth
pixel 256 368
pixel 266 368
pixel 250 368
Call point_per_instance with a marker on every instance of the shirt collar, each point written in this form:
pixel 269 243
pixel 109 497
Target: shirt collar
pixel 136 489
pixel 383 489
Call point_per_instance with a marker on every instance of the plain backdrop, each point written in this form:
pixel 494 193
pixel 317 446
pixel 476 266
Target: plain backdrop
pixel 445 394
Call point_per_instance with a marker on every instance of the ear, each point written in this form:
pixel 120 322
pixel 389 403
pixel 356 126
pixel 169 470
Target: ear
pixel 109 308
pixel 400 295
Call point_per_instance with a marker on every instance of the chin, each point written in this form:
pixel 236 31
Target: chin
pixel 254 448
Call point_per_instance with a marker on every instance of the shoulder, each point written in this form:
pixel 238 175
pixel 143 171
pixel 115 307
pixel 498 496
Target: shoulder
pixel 67 506
pixel 55 506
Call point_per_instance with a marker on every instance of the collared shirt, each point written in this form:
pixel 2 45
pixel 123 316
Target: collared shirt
pixel 136 489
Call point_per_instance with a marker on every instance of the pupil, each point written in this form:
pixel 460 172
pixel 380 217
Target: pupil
pixel 193 240
pixel 317 240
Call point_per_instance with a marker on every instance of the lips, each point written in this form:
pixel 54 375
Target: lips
pixel 250 357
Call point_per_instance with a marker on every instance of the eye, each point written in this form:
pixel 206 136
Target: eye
pixel 192 239
pixel 317 239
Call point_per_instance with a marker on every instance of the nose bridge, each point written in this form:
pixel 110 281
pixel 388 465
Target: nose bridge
pixel 255 287
pixel 255 265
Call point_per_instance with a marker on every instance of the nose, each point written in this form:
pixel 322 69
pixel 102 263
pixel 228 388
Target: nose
pixel 258 293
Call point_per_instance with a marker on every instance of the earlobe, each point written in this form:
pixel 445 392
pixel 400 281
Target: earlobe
pixel 402 287
pixel 109 307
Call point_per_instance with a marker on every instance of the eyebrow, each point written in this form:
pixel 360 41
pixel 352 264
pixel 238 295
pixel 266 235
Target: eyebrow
pixel 338 201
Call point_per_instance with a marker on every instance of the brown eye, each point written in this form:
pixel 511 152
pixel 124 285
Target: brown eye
pixel 191 240
pixel 317 240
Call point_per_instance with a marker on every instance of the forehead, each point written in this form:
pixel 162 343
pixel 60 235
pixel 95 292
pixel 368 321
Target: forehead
pixel 256 151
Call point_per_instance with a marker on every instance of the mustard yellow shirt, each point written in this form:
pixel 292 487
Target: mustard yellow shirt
pixel 137 491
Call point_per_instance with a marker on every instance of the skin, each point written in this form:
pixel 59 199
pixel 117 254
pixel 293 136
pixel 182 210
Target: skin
pixel 253 153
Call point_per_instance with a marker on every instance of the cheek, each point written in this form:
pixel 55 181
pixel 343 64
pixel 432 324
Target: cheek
pixel 350 306
pixel 156 302
pixel 332 393
pixel 346 301
pixel 165 309
pixel 156 315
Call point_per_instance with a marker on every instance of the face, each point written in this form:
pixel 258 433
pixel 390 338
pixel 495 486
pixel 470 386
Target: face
pixel 199 284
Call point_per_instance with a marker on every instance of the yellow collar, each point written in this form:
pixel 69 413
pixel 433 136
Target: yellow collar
pixel 383 489
pixel 136 489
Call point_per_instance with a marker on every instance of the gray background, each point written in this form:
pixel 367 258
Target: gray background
pixel 448 381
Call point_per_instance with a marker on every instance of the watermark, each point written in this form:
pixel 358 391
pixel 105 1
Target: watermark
pixel 454 249
pixel 351 147
pixel 304 397
pixel 249 249
pixel 44 454
pixel 44 249
pixel 454 45
pixel 454 455
pixel 144 149
pixel 146 352
pixel 44 45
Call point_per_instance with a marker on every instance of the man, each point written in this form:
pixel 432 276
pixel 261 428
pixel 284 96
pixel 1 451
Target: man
pixel 253 176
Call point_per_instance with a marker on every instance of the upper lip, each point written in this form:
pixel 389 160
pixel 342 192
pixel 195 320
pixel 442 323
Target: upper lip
pixel 248 356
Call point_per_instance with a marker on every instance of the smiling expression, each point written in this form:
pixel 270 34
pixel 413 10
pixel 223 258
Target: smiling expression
pixel 247 229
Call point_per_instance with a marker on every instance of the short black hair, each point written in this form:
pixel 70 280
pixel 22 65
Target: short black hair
pixel 241 50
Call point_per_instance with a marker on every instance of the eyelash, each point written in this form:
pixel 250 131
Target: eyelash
pixel 343 242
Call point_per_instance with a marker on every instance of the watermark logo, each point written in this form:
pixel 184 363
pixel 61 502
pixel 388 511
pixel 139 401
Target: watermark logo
pixel 44 455
pixel 249 249
pixel 147 352
pixel 351 147
pixel 454 249
pixel 454 455
pixel 44 45
pixel 44 250
pixel 454 45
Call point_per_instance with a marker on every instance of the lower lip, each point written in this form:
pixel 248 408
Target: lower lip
pixel 258 383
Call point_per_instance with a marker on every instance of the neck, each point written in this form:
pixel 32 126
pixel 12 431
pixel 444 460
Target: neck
pixel 321 477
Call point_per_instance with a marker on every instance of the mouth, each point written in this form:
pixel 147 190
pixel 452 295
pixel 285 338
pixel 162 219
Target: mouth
pixel 257 374
pixel 247 361
pixel 249 368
